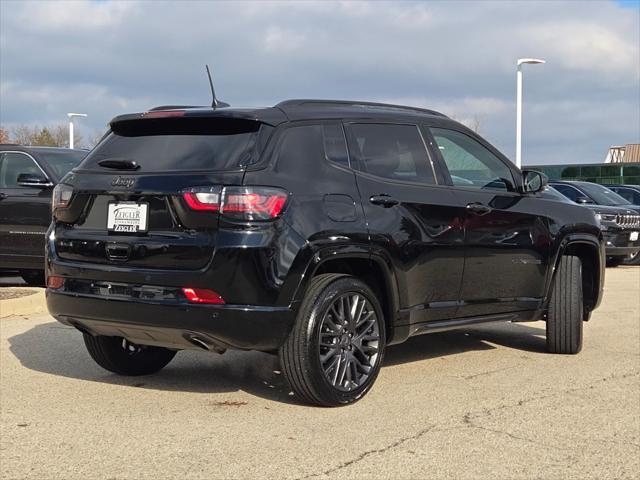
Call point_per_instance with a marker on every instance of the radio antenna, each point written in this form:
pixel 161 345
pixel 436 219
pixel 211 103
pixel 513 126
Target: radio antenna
pixel 215 103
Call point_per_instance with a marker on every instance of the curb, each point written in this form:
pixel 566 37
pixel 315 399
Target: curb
pixel 26 305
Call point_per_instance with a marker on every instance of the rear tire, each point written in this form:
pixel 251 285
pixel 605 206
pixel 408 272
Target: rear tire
pixel 565 317
pixel 125 358
pixel 632 259
pixel 34 278
pixel 335 349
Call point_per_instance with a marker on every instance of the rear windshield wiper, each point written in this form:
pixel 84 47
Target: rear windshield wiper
pixel 119 164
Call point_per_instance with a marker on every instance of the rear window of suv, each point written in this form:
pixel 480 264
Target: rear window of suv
pixel 180 144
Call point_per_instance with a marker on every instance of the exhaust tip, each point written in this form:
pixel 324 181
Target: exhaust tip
pixel 203 344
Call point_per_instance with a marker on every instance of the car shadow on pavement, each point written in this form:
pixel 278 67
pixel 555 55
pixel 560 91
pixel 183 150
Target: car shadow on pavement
pixel 519 336
pixel 56 349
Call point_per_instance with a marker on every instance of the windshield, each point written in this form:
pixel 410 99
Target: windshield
pixel 63 161
pixel 179 145
pixel 551 192
pixel 602 195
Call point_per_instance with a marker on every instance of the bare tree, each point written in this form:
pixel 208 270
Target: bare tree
pixel 4 135
pixel 53 136
pixel 472 123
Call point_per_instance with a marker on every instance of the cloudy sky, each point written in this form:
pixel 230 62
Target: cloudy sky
pixel 109 57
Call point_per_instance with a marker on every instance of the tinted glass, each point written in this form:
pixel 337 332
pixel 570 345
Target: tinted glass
pixel 569 192
pixel 62 162
pixel 335 147
pixel 602 195
pixel 552 193
pixel 470 164
pixel 318 142
pixel 628 194
pixel 396 152
pixel 182 144
pixel 14 164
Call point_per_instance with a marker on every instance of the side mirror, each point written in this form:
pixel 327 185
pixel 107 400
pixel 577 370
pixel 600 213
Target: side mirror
pixel 33 180
pixel 583 200
pixel 533 181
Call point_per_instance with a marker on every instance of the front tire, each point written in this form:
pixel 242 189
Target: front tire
pixel 565 317
pixel 125 358
pixel 335 349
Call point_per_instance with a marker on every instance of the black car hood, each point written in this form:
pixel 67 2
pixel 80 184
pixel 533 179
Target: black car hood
pixel 607 209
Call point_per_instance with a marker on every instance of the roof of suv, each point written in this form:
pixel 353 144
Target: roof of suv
pixel 31 149
pixel 290 110
pixel 577 183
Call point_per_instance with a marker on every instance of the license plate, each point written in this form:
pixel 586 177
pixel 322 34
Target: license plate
pixel 130 217
pixel 633 236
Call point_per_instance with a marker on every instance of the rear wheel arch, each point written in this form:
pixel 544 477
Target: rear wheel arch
pixel 375 273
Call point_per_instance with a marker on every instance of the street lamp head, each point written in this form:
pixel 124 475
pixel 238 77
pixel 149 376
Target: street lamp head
pixel 530 60
pixel 71 115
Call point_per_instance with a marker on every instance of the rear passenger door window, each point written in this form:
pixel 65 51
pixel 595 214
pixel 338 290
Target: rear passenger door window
pixel 389 151
pixel 470 163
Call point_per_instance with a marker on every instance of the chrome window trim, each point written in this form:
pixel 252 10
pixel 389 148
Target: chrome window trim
pixel 50 184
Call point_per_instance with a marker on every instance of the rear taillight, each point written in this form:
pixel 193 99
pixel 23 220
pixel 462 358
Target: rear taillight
pixel 203 295
pixel 61 196
pixel 238 203
pixel 203 200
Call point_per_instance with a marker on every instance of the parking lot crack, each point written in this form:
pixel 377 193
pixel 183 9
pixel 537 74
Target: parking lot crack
pixel 470 424
pixel 368 453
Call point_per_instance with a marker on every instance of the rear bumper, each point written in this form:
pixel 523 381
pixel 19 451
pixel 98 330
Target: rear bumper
pixel 176 326
pixel 619 244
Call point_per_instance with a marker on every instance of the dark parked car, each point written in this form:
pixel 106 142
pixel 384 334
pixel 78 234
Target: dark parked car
pixel 592 194
pixel 619 219
pixel 27 177
pixel 631 193
pixel 321 230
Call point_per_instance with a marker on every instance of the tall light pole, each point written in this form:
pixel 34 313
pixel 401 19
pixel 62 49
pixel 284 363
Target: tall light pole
pixel 71 115
pixel 521 61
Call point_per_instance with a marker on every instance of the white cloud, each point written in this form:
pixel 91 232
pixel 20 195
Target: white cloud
pixel 283 41
pixel 591 47
pixel 71 16
pixel 106 57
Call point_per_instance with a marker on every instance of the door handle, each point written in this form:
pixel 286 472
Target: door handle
pixel 385 200
pixel 478 208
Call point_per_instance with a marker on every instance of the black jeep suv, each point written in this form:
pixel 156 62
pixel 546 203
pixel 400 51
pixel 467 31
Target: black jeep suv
pixel 321 230
pixel 27 177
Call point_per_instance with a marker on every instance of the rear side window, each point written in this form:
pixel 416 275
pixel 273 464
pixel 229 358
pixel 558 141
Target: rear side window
pixel 470 163
pixel 179 144
pixel 630 195
pixel 394 152
pixel 62 162
pixel 319 142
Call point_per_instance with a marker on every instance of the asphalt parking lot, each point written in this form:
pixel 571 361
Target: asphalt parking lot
pixel 486 402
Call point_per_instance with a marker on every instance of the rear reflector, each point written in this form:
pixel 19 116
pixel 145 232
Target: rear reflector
pixel 55 282
pixel 202 295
